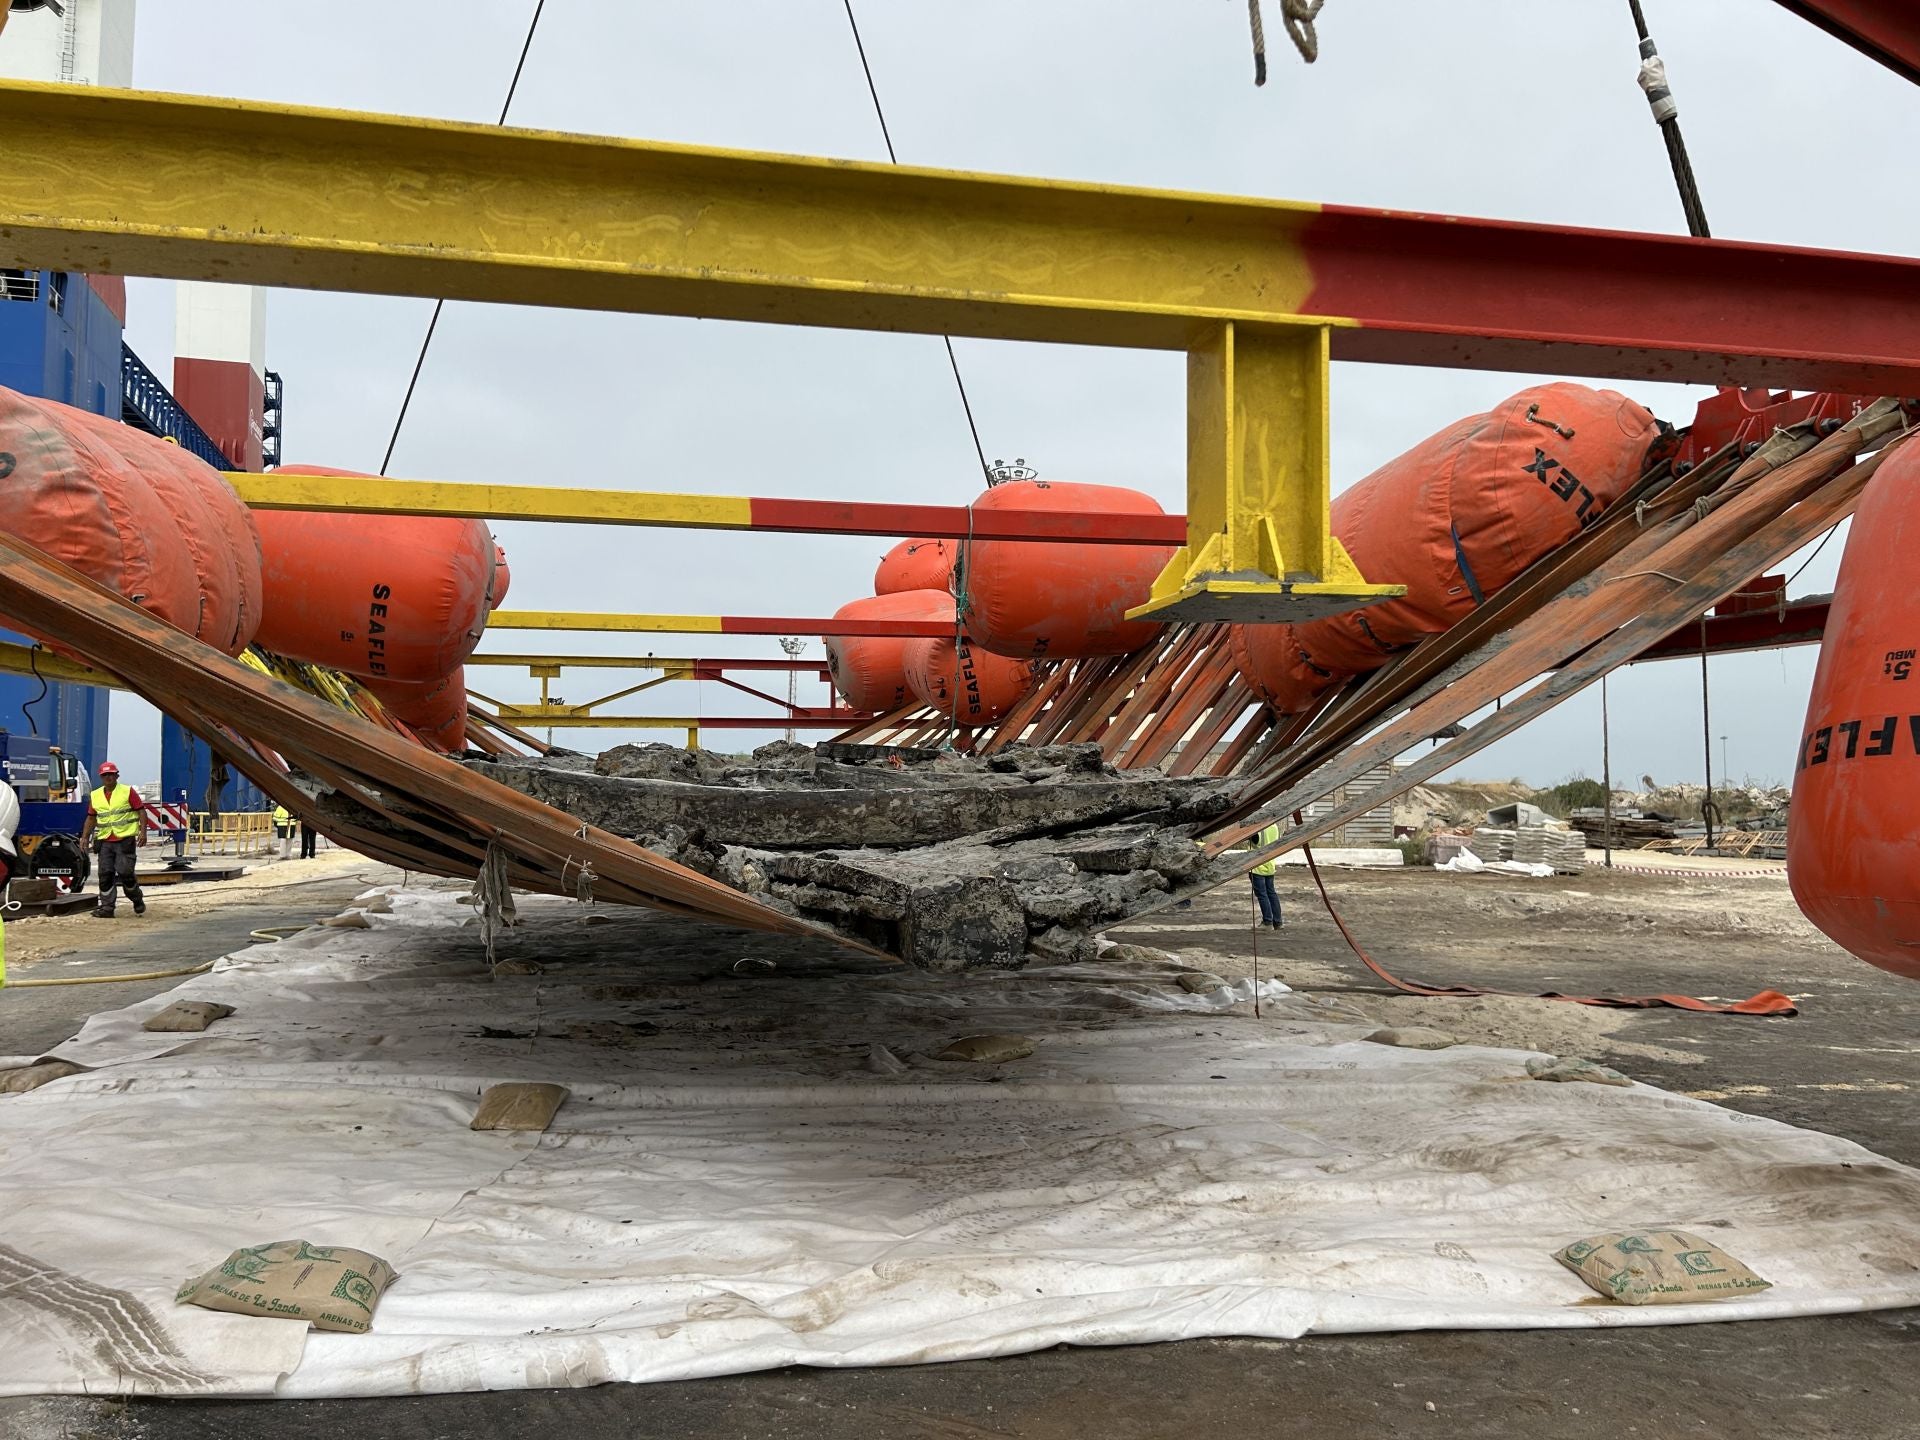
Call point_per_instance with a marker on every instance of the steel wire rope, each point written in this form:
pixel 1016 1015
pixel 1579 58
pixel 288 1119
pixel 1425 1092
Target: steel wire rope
pixel 886 135
pixel 1666 114
pixel 433 320
pixel 973 429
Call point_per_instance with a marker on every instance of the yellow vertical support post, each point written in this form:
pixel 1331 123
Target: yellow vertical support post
pixel 1259 543
pixel 693 737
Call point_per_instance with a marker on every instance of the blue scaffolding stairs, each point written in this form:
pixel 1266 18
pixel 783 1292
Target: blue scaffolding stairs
pixel 147 404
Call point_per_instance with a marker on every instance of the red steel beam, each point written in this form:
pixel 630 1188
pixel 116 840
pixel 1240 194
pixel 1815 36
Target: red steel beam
pixel 1802 622
pixel 804 720
pixel 1498 295
pixel 827 625
pixel 1884 30
pixel 703 667
pixel 962 522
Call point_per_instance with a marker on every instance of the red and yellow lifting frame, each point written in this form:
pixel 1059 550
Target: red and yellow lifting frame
pixel 1259 294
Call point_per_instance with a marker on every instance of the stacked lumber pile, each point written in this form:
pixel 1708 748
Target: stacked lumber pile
pixel 1630 829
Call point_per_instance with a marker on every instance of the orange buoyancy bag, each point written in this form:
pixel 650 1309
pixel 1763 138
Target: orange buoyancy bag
pixel 133 512
pixel 435 710
pixel 914 565
pixel 396 597
pixel 870 671
pixel 1058 600
pixel 1456 519
pixel 969 686
pixel 502 578
pixel 1851 856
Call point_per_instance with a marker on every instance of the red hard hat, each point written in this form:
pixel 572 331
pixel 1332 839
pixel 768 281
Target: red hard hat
pixel 107 767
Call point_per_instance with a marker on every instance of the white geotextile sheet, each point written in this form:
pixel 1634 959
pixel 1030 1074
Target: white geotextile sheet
pixel 740 1181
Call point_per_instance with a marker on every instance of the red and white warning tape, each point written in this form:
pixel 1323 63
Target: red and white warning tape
pixel 1692 874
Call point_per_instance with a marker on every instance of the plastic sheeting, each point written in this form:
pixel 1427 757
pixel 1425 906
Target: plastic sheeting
pixel 760 1169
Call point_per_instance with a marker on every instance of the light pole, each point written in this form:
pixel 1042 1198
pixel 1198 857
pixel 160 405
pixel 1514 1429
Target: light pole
pixel 1726 775
pixel 794 646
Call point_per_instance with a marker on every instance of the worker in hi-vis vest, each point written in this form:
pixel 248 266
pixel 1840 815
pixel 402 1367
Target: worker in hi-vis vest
pixel 113 820
pixel 1262 878
pixel 9 860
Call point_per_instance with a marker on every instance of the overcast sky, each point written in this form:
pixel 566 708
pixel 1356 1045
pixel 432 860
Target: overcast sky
pixel 1508 108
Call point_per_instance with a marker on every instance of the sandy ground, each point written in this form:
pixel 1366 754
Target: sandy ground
pixel 1847 1065
pixel 1583 928
pixel 36 938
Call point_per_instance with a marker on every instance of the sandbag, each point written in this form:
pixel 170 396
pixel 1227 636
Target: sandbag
pixel 1455 520
pixel 1856 779
pixel 969 685
pixel 435 710
pixel 1058 600
pixel 393 597
pixel 522 1105
pixel 914 565
pixel 187 1016
pixel 1658 1267
pixel 329 1286
pixel 133 512
pixel 870 671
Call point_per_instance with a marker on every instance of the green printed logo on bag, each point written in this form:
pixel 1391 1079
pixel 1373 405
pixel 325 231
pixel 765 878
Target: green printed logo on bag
pixel 1699 1262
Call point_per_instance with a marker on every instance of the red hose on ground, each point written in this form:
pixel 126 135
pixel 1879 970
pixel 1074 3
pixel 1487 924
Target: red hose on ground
pixel 1767 1002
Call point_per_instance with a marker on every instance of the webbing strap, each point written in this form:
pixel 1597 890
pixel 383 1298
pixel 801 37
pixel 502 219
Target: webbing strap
pixel 1466 570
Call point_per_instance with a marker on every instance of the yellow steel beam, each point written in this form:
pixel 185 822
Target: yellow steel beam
pixel 587 706
pixel 613 623
pixel 377 495
pixel 583 662
pixel 34 660
pixel 129 183
pixel 126 182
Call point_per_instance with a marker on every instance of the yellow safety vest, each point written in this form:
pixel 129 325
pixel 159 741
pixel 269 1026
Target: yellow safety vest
pixel 118 818
pixel 1268 836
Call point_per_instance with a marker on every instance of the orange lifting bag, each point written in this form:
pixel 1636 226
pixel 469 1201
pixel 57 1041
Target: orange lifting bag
pixel 870 671
pixel 976 688
pixel 394 597
pixel 133 512
pixel 1853 851
pixel 1058 601
pixel 1455 520
pixel 435 710
pixel 914 565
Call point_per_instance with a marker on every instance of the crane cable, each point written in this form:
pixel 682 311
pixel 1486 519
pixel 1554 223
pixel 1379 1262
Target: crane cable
pixel 886 135
pixel 1666 114
pixel 433 321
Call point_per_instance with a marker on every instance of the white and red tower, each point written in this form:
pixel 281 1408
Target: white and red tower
pixel 220 364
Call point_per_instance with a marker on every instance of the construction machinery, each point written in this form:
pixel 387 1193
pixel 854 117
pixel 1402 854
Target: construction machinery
pixel 53 806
